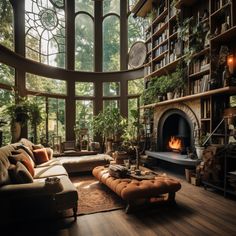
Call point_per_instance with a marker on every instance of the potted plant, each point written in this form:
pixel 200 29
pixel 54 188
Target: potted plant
pixel 152 93
pixel 19 113
pixel 200 146
pixel 109 125
pixel 167 86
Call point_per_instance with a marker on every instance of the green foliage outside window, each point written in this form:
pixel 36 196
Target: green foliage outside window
pixel 84 43
pixel 84 89
pixel 6 97
pixel 7 75
pixel 110 103
pixel 111 6
pixel 56 118
pixel 82 5
pixel 135 86
pixel 46 85
pixel 111 43
pixel 111 89
pixel 6 26
pixel 84 116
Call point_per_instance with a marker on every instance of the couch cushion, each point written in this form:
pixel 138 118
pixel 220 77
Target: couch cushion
pixel 84 163
pixel 4 164
pixel 48 149
pixel 22 175
pixel 25 160
pixel 40 156
pixel 51 162
pixel 49 171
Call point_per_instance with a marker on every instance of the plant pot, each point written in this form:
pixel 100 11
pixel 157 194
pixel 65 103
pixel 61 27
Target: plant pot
pixel 109 146
pixel 170 95
pixel 15 131
pixel 199 151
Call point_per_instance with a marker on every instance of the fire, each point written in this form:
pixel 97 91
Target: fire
pixel 175 143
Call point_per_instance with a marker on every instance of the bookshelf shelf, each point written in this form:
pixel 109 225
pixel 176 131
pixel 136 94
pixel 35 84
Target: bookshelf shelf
pixel 225 90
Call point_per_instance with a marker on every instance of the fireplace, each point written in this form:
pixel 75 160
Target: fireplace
pixel 175 132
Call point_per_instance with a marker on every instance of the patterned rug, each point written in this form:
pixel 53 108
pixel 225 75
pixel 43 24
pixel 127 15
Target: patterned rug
pixel 95 197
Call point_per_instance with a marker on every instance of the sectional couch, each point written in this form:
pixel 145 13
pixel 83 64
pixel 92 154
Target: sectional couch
pixel 40 196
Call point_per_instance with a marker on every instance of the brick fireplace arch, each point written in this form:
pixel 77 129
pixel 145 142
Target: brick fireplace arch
pixel 183 110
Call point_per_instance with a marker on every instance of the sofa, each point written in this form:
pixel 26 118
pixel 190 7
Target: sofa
pixel 41 191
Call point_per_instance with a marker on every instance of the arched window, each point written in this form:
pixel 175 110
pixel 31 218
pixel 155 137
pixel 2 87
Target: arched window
pixel 111 43
pixel 136 29
pixel 84 43
pixel 45 31
pixel 6 26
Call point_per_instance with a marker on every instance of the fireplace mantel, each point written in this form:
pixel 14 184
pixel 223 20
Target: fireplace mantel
pixel 225 90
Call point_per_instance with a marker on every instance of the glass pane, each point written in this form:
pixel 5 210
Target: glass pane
pixel 84 37
pixel 7 75
pixel 111 6
pixel 84 116
pixel 41 128
pixel 6 98
pixel 56 119
pixel 132 4
pixel 46 85
pixel 82 5
pixel 45 32
pixel 132 118
pixel 111 44
pixel 111 89
pixel 136 29
pixel 132 105
pixel 135 86
pixel 84 89
pixel 6 26
pixel 110 103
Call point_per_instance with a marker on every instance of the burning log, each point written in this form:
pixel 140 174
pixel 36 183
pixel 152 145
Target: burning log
pixel 175 144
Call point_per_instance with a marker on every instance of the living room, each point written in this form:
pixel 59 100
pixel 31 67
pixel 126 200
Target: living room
pixel 118 117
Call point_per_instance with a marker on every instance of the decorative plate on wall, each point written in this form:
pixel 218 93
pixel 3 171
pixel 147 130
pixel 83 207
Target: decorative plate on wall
pixel 137 54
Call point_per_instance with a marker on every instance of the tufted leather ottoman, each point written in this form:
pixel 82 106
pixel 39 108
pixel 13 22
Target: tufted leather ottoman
pixel 135 192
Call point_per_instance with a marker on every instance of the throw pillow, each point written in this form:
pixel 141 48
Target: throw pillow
pixel 24 160
pixel 48 149
pixel 16 152
pixel 40 156
pixel 37 146
pixel 49 152
pixel 28 150
pixel 22 175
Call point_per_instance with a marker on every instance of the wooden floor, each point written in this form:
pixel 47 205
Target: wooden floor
pixel 198 212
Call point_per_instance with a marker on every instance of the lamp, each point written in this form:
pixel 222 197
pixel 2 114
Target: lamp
pixel 231 62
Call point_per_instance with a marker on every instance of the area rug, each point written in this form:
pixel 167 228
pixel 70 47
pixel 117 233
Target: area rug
pixel 95 197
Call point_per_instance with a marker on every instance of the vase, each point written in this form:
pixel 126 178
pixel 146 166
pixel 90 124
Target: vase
pixel 199 151
pixel 169 95
pixel 15 131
